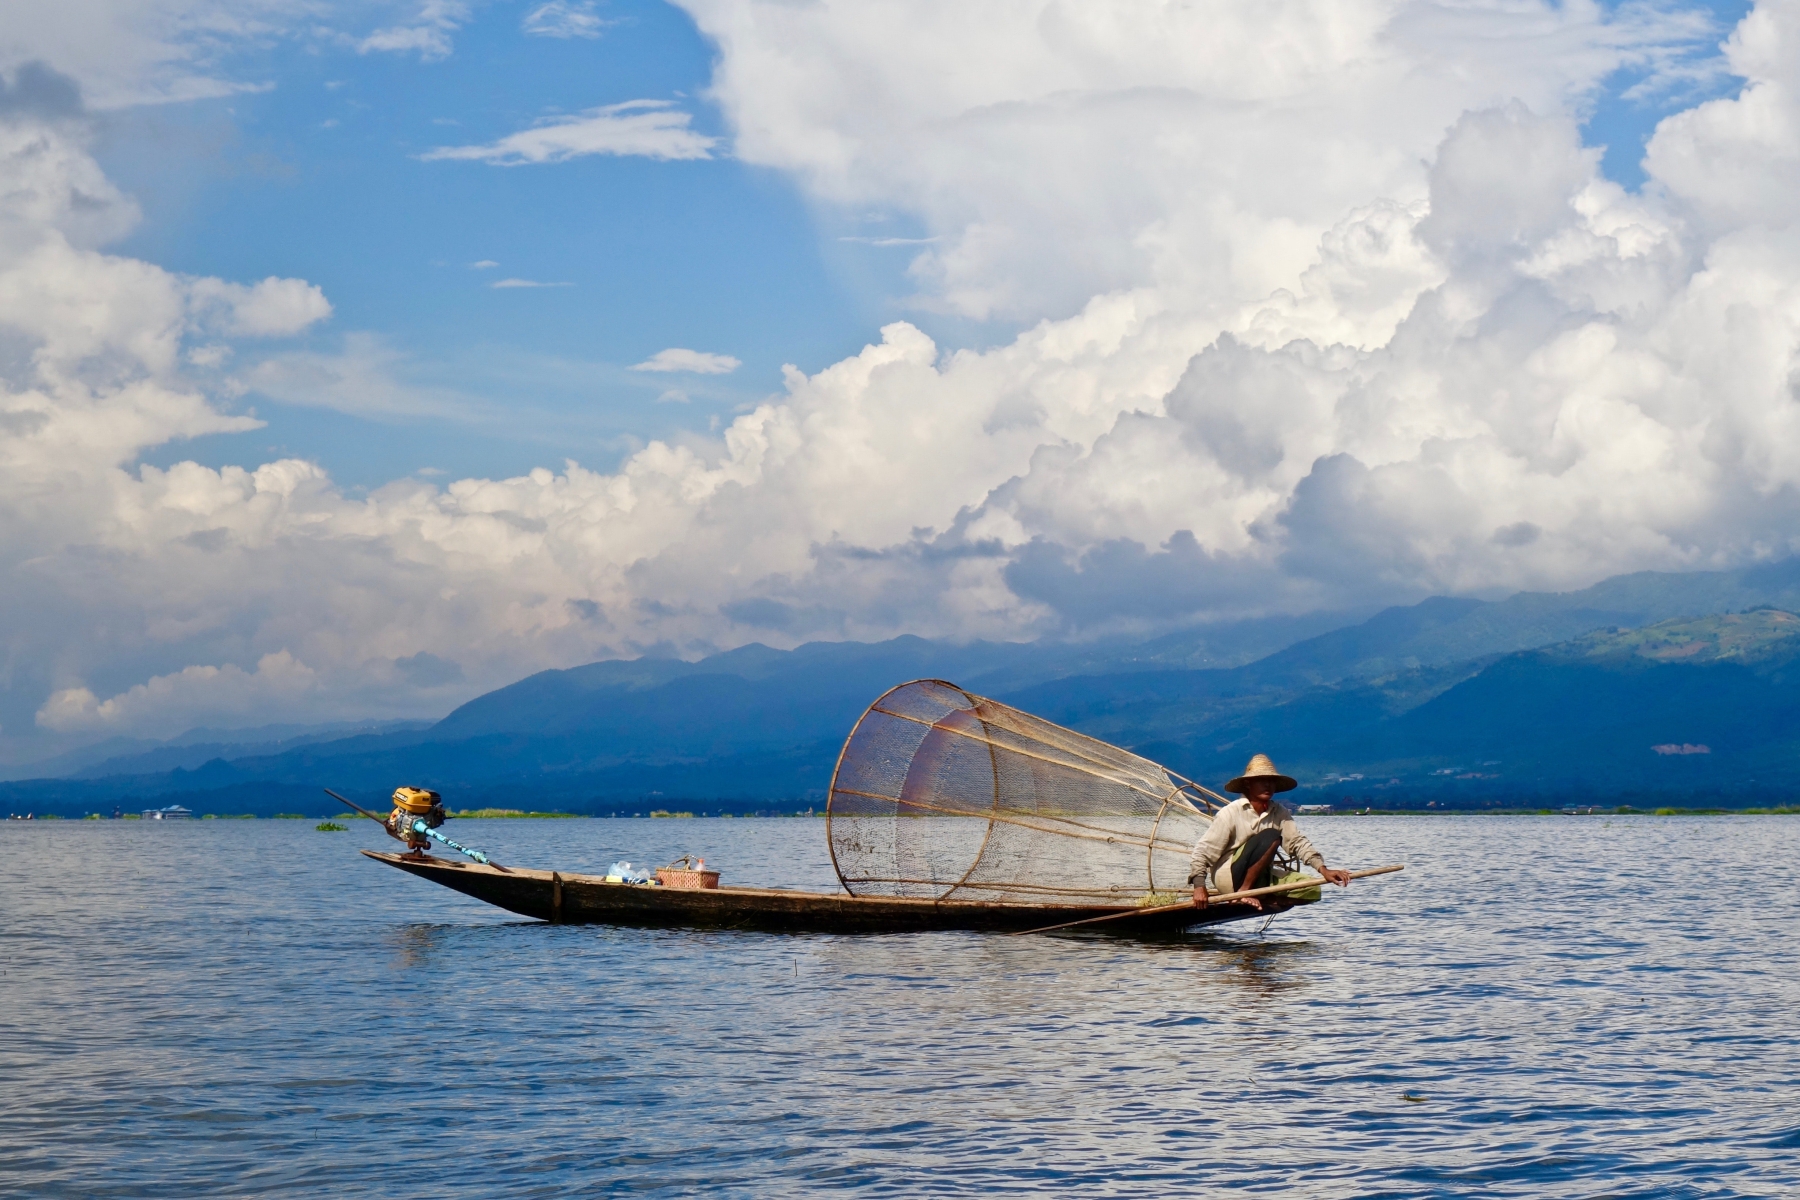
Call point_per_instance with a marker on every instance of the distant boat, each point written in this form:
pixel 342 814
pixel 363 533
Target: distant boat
pixel 172 813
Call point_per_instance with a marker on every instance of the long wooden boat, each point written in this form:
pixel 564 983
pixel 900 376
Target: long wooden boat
pixel 590 900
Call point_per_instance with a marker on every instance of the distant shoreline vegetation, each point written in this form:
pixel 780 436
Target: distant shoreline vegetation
pixel 483 814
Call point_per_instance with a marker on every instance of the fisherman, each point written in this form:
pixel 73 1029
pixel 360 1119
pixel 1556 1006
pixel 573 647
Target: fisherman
pixel 1239 847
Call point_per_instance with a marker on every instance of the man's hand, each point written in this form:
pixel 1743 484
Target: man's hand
pixel 1341 878
pixel 1199 895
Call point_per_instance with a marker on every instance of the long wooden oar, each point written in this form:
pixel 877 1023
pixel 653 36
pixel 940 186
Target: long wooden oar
pixel 1227 898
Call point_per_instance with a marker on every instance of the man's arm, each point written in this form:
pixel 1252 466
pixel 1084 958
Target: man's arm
pixel 1207 852
pixel 1301 847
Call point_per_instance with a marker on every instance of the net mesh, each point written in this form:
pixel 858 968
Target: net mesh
pixel 945 795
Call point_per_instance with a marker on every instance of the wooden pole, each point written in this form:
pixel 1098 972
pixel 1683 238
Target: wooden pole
pixel 381 821
pixel 1227 898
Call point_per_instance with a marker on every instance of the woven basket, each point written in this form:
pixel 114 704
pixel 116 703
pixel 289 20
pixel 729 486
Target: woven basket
pixel 674 877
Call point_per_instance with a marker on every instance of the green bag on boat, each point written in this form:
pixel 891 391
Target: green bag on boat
pixel 1298 895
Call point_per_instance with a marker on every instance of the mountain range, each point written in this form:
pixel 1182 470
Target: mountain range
pixel 1648 685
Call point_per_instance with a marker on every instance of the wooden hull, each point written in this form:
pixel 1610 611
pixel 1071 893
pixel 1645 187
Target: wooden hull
pixel 588 900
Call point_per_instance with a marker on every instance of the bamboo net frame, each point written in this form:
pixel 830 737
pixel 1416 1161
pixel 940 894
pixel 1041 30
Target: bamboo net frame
pixel 945 795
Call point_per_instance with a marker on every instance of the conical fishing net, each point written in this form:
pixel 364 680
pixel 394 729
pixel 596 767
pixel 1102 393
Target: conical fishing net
pixel 945 795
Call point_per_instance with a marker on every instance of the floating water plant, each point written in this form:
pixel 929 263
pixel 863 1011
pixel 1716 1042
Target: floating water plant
pixel 331 827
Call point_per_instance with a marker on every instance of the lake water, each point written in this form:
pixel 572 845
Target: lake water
pixel 251 1008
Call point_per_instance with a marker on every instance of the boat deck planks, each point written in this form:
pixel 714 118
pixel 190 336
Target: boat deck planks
pixel 589 900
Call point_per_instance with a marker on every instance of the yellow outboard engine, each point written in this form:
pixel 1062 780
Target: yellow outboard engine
pixel 411 806
pixel 415 820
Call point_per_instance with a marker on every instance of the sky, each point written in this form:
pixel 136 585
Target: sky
pixel 328 176
pixel 358 358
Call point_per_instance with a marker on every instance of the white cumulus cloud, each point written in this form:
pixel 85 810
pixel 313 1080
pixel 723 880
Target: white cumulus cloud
pixel 1062 150
pixel 272 308
pixel 642 128
pixel 696 362
pixel 165 705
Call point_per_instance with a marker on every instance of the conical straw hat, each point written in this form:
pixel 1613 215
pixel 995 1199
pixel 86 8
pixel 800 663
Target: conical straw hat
pixel 1261 768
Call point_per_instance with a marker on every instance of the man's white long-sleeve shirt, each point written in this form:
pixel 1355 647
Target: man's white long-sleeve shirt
pixel 1235 824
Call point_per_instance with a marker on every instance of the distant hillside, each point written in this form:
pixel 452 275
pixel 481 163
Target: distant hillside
pixel 1454 697
pixel 1695 706
pixel 1440 632
pixel 1763 638
pixel 617 736
pixel 119 756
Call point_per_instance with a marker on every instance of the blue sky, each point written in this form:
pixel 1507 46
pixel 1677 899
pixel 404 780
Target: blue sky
pixel 319 177
pixel 1626 112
